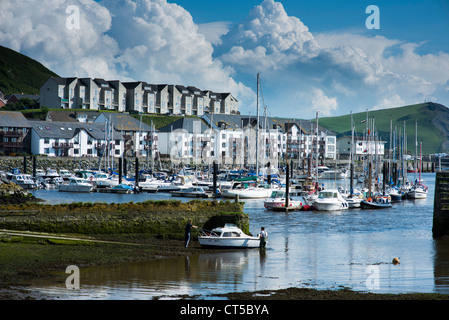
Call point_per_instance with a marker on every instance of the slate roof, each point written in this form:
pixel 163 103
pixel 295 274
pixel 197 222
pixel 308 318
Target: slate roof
pixel 235 121
pixel 13 119
pixel 126 123
pixel 67 130
pixel 186 123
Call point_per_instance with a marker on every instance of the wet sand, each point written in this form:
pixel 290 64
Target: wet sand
pixel 40 260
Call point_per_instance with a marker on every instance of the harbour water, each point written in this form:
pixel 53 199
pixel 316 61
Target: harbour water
pixel 307 249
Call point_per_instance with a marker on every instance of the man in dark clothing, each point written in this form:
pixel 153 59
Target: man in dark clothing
pixel 263 235
pixel 187 232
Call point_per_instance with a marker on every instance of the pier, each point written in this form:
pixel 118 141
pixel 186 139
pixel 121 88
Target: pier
pixel 441 205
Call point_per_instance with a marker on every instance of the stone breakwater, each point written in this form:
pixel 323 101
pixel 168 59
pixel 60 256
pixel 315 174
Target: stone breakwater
pixel 71 164
pixel 58 163
pixel 164 219
pixel 11 193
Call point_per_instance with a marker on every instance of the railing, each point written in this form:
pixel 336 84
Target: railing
pixel 11 133
pixel 64 145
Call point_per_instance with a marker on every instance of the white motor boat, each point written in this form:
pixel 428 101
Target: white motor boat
pixel 65 174
pixel 176 183
pixel 248 190
pixel 330 200
pixel 23 180
pixel 51 173
pixel 40 173
pixel 329 174
pixel 76 185
pixel 229 236
pixel 193 192
pixel 417 191
pixel 277 202
pixel 104 180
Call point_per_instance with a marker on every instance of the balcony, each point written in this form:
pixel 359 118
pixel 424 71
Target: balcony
pixel 11 134
pixel 64 145
pixel 11 144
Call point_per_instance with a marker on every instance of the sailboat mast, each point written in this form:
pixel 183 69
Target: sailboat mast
pixel 416 147
pixel 257 128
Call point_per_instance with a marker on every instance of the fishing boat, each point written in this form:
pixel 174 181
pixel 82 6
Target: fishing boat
pixel 330 200
pixel 229 236
pixel 379 202
pixel 277 202
pixel 76 185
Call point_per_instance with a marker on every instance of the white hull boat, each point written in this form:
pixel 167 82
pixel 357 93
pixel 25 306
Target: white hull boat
pixel 277 202
pixel 330 200
pixel 418 191
pixel 248 190
pixel 229 236
pixel 76 185
pixel 23 180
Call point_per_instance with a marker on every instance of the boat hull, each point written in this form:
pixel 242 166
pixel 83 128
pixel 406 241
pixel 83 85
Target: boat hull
pixel 222 242
pixel 64 188
pixel 374 205
pixel 280 205
pixel 326 206
pixel 247 194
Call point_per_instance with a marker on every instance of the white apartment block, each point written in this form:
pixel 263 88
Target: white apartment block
pixel 136 97
pixel 361 147
pixel 73 139
pixel 234 140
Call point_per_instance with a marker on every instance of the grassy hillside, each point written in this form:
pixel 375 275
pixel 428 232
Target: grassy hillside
pixel 432 120
pixel 21 74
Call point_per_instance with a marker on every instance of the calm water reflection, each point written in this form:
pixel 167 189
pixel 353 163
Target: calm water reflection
pixel 306 249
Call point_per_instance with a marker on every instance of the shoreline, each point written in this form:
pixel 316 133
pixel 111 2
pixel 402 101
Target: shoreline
pixel 44 266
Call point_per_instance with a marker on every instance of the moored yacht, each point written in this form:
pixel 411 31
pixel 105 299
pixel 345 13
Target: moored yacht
pixel 330 200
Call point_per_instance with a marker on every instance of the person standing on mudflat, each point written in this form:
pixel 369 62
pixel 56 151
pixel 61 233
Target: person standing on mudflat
pixel 263 235
pixel 189 226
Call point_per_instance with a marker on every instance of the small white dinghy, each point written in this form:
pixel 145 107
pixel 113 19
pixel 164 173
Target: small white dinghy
pixel 229 236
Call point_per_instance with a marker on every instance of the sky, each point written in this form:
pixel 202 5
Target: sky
pixel 312 55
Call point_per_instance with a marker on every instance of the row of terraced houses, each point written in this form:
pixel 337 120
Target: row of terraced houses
pixel 134 97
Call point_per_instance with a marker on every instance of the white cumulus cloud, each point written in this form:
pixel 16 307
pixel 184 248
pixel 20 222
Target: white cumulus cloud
pixel 147 40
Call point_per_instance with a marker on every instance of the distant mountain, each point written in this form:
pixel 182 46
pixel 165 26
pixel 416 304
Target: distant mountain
pixel 21 74
pixel 432 120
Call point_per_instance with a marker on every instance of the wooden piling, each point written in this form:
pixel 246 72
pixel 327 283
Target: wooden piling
pixel 441 205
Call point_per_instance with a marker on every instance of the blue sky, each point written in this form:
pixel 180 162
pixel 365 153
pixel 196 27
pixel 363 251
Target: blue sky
pixel 312 55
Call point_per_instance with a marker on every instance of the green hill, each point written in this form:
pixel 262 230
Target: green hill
pixel 432 121
pixel 21 74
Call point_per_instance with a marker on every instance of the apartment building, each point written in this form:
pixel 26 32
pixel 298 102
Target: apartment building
pixel 138 138
pixel 83 93
pixel 14 133
pixel 74 139
pixel 136 97
pixel 362 148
